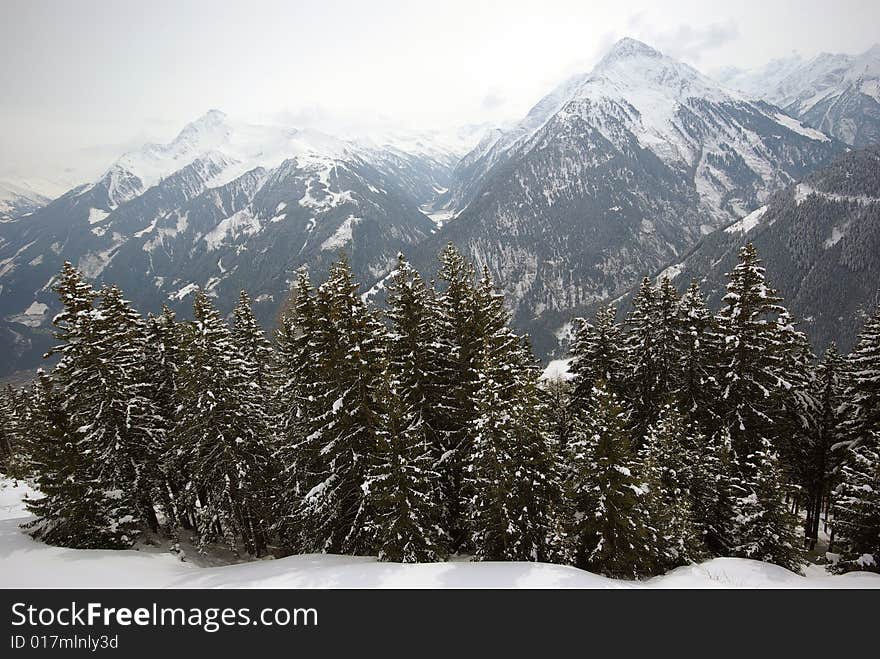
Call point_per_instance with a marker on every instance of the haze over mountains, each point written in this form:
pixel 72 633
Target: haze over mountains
pixel 616 174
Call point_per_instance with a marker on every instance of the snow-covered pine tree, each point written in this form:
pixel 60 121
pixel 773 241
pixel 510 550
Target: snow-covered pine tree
pixel 715 490
pixel 17 403
pixel 300 349
pixel 697 392
pixel 816 461
pixel 225 442
pixel 459 342
pixel 74 510
pixel 92 382
pixel 646 370
pixel 414 359
pixel 667 338
pixel 109 400
pixel 162 359
pixel 668 457
pixel 254 347
pixel 7 429
pixel 595 355
pixel 796 416
pixel 411 441
pixel 403 513
pixel 345 434
pixel 857 507
pixel 513 480
pixel 863 390
pixel 749 368
pixel 765 526
pixel 608 532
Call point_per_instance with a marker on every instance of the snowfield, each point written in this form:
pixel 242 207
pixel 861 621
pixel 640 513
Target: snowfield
pixel 25 563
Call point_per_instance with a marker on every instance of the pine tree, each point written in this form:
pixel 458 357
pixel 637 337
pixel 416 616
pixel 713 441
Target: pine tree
pixel 163 357
pixel 816 461
pixel 715 489
pixel 411 441
pixel 512 480
pixel 74 509
pixel 414 359
pixel 796 416
pixel 857 507
pixel 300 350
pixel 699 342
pixel 667 463
pixel 254 347
pixel 765 525
pixel 7 430
pixel 608 531
pixel 749 370
pixel 345 433
pixel 15 404
pixel 863 390
pixel 402 490
pixel 225 443
pixel 595 355
pixel 650 352
pixel 97 384
pixel 459 342
pixel 120 427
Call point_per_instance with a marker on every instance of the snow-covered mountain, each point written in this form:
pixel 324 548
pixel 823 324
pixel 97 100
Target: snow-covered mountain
pixel 820 241
pixel 226 205
pixel 836 93
pixel 611 175
pixel 19 198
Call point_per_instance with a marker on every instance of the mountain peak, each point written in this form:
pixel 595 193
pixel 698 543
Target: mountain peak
pixel 629 47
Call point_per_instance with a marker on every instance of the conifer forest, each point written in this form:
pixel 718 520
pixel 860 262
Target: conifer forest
pixel 421 427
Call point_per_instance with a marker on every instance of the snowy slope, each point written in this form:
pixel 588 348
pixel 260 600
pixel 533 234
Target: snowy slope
pixel 30 564
pixel 18 198
pixel 610 176
pixel 227 205
pixel 836 93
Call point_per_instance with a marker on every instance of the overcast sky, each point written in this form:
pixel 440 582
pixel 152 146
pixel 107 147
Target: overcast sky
pixel 83 80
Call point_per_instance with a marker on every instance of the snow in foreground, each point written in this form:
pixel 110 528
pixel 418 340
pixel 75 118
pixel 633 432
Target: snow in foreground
pixel 29 564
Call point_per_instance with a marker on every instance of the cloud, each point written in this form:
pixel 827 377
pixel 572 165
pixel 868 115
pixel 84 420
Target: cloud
pixel 493 100
pixel 685 42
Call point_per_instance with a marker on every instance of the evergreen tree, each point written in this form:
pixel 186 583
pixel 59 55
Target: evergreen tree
pixel 513 480
pixel 715 489
pixel 863 390
pixel 765 527
pixel 816 460
pixel 411 441
pixel 301 348
pixel 74 510
pixel 796 416
pixel 345 433
pixel 650 352
pixel 223 436
pixel 749 370
pixel 857 507
pixel 595 355
pixel 254 347
pixel 414 359
pixel 162 359
pixel 608 531
pixel 402 490
pixel 699 347
pixel 109 399
pixel 668 459
pixel 7 430
pixel 459 344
